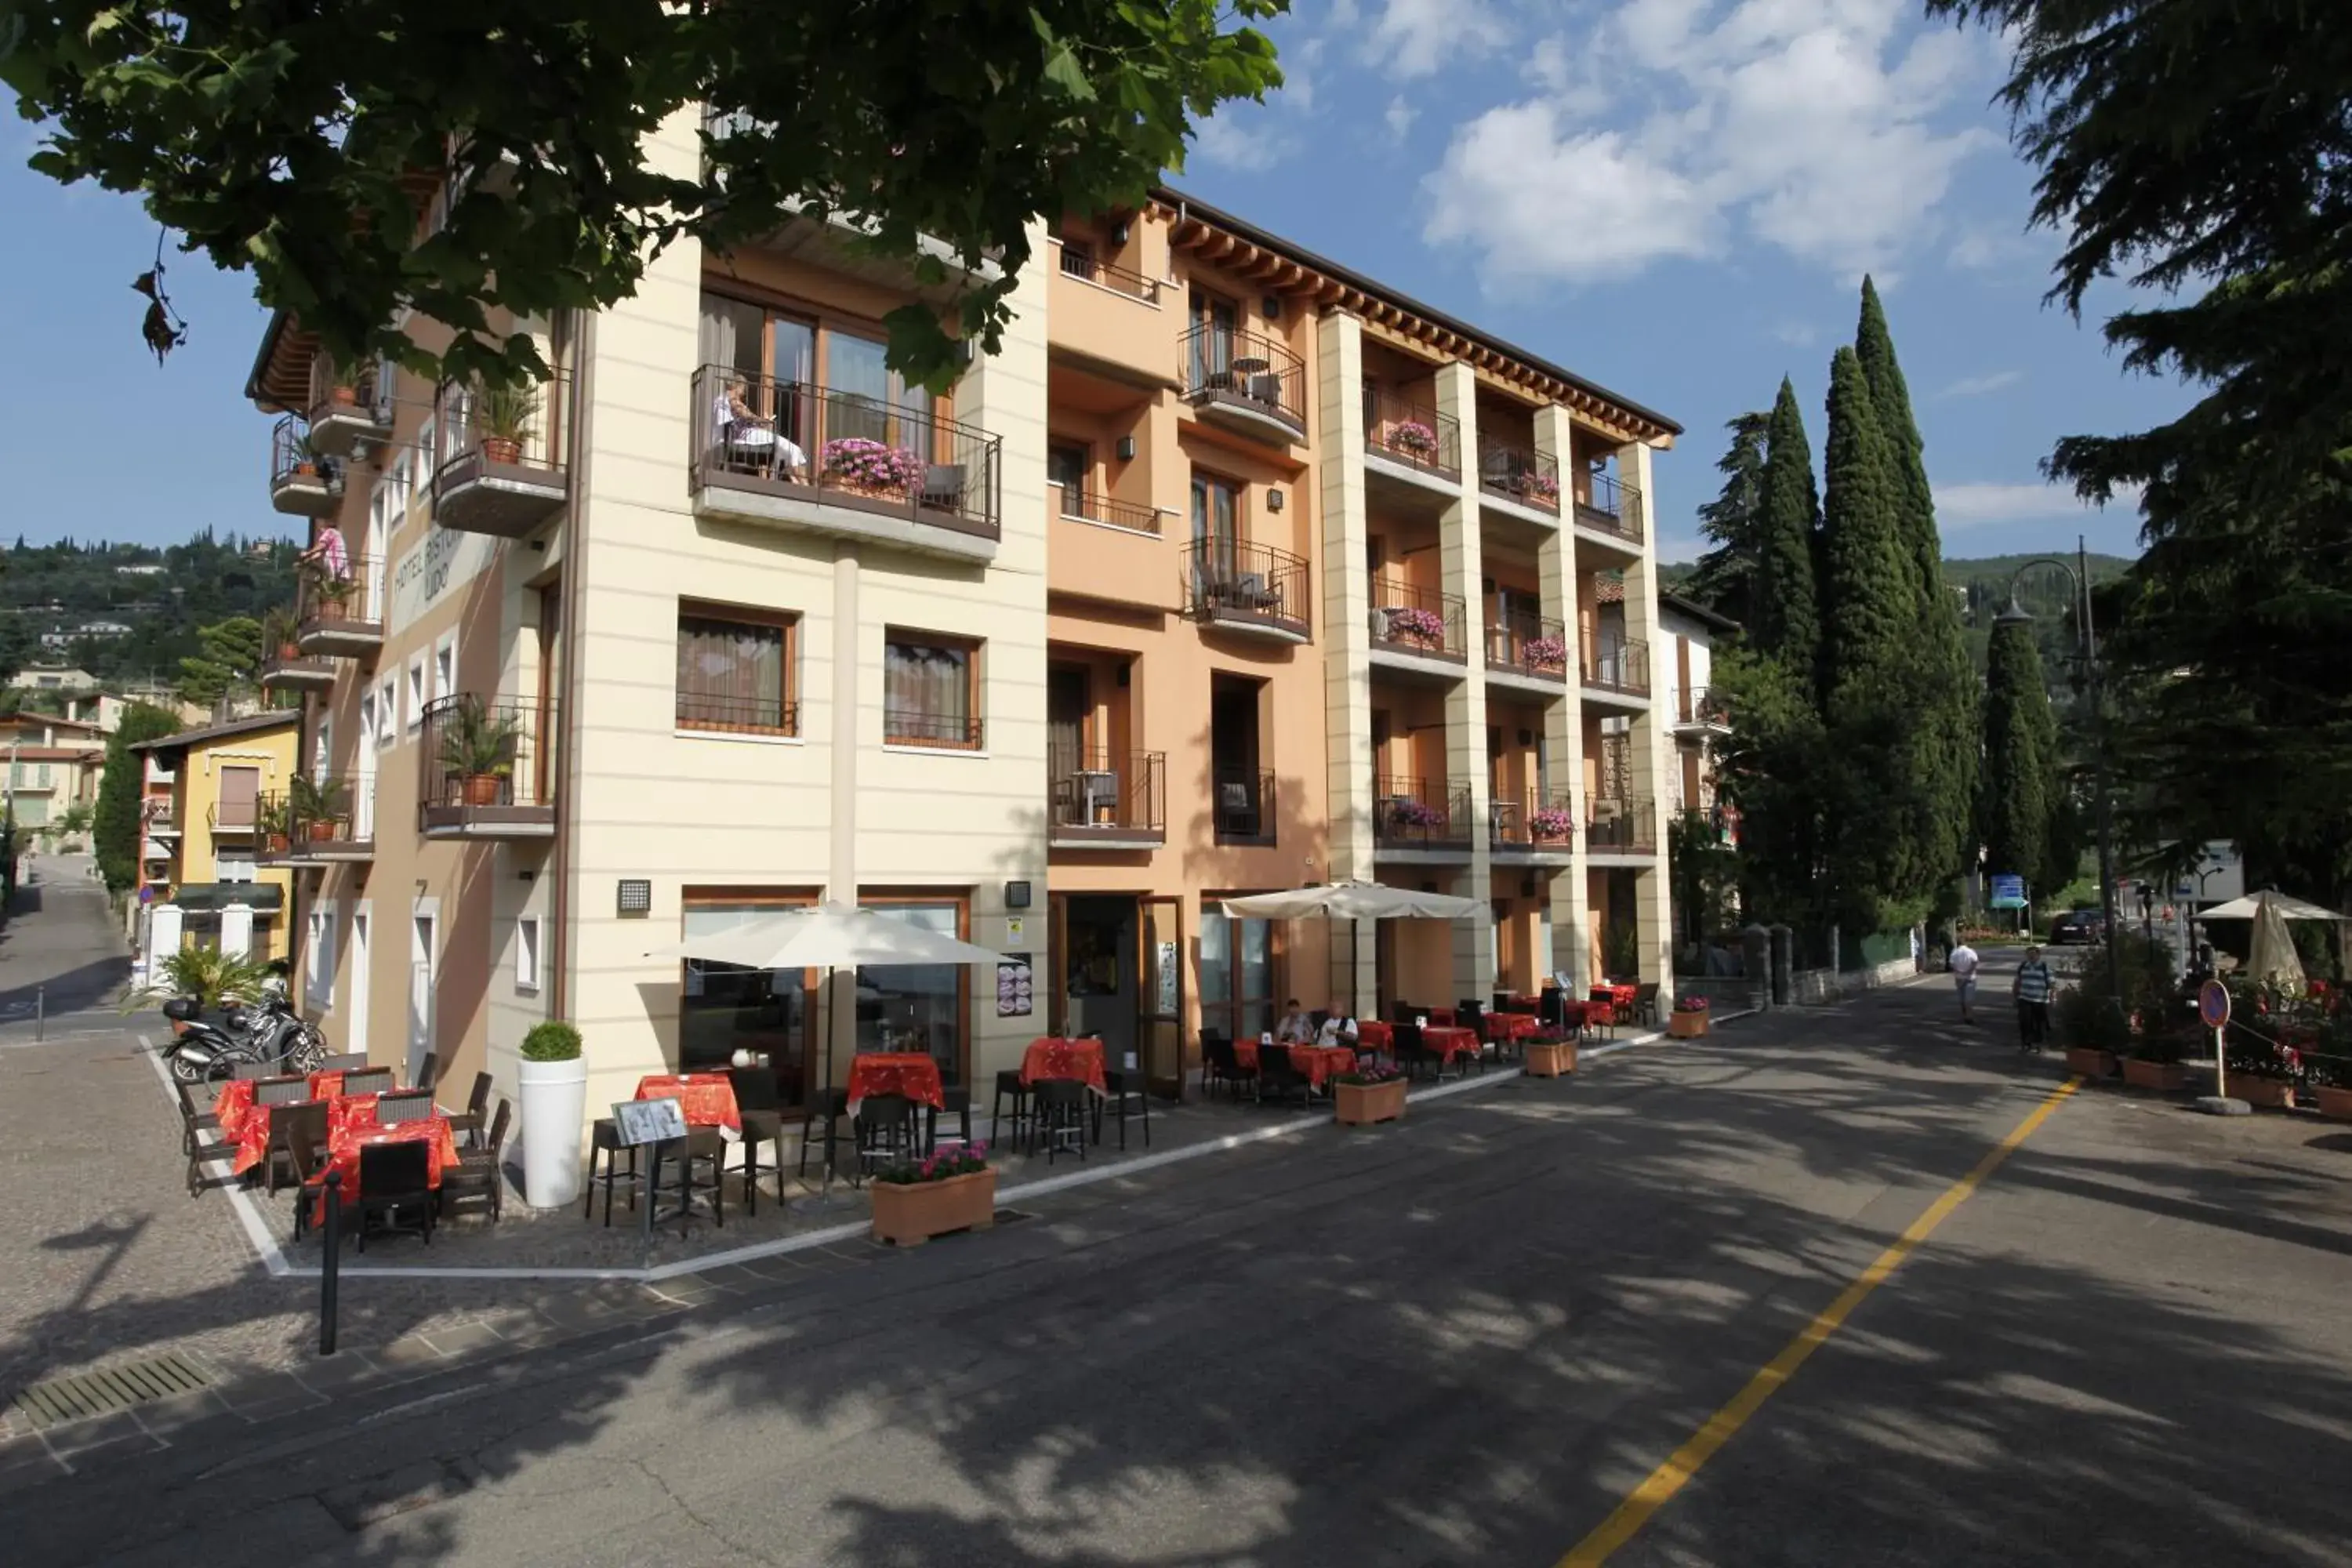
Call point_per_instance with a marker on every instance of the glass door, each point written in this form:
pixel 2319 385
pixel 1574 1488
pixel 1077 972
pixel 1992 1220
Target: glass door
pixel 1159 994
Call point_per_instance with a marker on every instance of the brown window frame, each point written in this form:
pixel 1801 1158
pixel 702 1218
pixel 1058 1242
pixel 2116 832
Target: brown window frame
pixel 701 895
pixel 961 897
pixel 975 650
pixel 786 623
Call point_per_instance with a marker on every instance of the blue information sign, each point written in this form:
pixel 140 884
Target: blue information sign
pixel 2008 892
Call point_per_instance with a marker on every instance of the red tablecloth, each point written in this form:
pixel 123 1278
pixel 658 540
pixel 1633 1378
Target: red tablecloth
pixel 1048 1057
pixel 1619 996
pixel 233 1105
pixel 343 1152
pixel 1441 1017
pixel 1320 1062
pixel 913 1074
pixel 1449 1042
pixel 1585 1014
pixel 708 1098
pixel 1511 1026
pixel 1377 1036
pixel 252 1135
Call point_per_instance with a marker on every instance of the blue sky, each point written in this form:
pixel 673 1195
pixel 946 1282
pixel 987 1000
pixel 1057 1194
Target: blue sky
pixel 1676 198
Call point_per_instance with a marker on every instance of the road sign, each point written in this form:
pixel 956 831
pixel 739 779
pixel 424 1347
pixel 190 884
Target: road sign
pixel 2008 892
pixel 2214 1003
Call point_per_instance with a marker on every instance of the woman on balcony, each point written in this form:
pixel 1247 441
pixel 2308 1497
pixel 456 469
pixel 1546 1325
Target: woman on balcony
pixel 743 429
pixel 328 555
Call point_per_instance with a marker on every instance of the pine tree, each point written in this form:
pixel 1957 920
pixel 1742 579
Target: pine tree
pixel 2015 805
pixel 1725 578
pixel 1787 621
pixel 115 827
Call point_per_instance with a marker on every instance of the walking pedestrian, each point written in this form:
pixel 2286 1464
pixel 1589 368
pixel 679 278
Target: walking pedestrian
pixel 1963 965
pixel 2033 988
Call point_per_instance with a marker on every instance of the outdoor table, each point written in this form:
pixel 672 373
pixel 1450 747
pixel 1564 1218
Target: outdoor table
pixel 1506 1026
pixel 1050 1057
pixel 912 1074
pixel 1616 995
pixel 233 1105
pixel 252 1135
pixel 1449 1041
pixel 1582 1015
pixel 343 1152
pixel 708 1098
pixel 325 1085
pixel 350 1112
pixel 1371 1035
pixel 1318 1063
pixel 1442 1017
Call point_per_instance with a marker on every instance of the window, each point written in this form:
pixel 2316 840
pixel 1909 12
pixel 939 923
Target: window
pixel 428 451
pixel 527 953
pixel 916 1007
pixel 1216 507
pixel 232 867
pixel 417 693
pixel 323 749
pixel 1237 974
pixel 1078 258
pixel 1067 463
pixel 780 356
pixel 399 486
pixel 387 708
pixel 240 796
pixel 368 735
pixel 735 671
pixel 931 691
pixel 444 666
pixel 42 780
pixel 727 1007
pixel 319 957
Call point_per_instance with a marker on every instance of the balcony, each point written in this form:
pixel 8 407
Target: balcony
pixel 1420 816
pixel 1104 801
pixel 350 415
pixel 1106 321
pixel 1409 443
pixel 1605 505
pixel 1529 652
pixel 160 818
pixel 1521 478
pixel 1089 506
pixel 1078 261
pixel 1415 629
pixel 301 482
pixel 339 611
pixel 1252 589
pixel 234 818
pixel 485 770
pixel 1618 665
pixel 1108 550
pixel 1619 824
pixel 1539 828
pixel 1245 382
pixel 323 821
pixel 506 463
pixel 289 669
pixel 1698 714
pixel 1241 805
pixel 796 455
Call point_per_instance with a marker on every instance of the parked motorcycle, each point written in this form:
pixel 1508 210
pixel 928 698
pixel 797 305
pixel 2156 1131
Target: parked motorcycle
pixel 200 1049
pixel 267 1030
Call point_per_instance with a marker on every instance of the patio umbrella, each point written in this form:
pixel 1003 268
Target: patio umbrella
pixel 830 936
pixel 2272 957
pixel 2249 907
pixel 1356 901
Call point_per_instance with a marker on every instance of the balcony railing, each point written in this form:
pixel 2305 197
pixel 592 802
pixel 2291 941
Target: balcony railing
pixel 1696 707
pixel 1107 797
pixel 1408 433
pixel 1253 587
pixel 504 458
pixel 1418 813
pixel 338 605
pixel 1606 503
pixel 736 712
pixel 328 818
pixel 1541 822
pixel 1406 619
pixel 486 769
pixel 160 815
pixel 234 815
pixel 1533 645
pixel 1618 665
pixel 302 483
pixel 1079 262
pixel 1092 507
pixel 1242 803
pixel 1514 473
pixel 1626 826
pixel 1250 381
pixel 798 441
pixel 349 409
pixel 945 732
pixel 288 668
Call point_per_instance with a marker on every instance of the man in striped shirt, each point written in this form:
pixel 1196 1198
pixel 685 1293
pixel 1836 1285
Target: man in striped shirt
pixel 2033 987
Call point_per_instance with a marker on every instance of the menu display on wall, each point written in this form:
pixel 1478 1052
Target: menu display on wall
pixel 1015 987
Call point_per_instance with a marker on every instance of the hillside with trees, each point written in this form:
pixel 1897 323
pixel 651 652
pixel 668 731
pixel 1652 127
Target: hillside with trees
pixel 162 597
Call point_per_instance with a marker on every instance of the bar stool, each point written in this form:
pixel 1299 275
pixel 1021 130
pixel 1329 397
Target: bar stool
pixel 1009 1086
pixel 607 1142
pixel 1121 1088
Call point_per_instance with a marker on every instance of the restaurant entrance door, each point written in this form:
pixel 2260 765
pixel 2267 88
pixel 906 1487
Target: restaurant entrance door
pixel 1098 978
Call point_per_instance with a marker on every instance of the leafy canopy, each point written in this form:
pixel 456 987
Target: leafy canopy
pixel 115 827
pixel 300 143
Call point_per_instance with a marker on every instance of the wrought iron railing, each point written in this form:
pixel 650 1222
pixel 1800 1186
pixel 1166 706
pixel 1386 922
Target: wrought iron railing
pixel 1541 821
pixel 1698 705
pixel 1618 665
pixel 1531 479
pixel 1420 814
pixel 735 712
pixel 367 391
pixel 513 427
pixel 1247 370
pixel 1408 433
pixel 1622 823
pixel 234 815
pixel 1242 804
pixel 762 433
pixel 339 592
pixel 1107 792
pixel 1094 506
pixel 1229 579
pixel 483 755
pixel 1081 261
pixel 912 727
pixel 1528 645
pixel 1417 620
pixel 1605 503
pixel 337 811
pixel 159 812
pixel 292 460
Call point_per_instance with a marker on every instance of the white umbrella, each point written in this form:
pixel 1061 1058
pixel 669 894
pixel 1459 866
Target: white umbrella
pixel 2272 957
pixel 2249 907
pixel 1357 901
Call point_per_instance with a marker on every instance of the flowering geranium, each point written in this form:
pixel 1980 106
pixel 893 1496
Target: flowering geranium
pixel 967 1160
pixel 1413 436
pixel 1690 1004
pixel 1546 653
pixel 1427 625
pixel 854 459
pixel 1366 1074
pixel 1543 487
pixel 1551 822
pixel 1415 814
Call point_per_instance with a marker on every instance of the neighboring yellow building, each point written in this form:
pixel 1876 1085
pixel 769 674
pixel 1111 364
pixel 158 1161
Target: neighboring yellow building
pixel 200 881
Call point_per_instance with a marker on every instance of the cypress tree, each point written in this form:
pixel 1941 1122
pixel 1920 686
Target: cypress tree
pixel 115 827
pixel 1787 621
pixel 2014 814
pixel 1726 579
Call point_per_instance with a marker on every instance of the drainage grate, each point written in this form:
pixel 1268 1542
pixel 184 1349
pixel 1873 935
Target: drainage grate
pixel 113 1388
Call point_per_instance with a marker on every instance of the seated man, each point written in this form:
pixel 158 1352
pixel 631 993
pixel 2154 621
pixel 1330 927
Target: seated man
pixel 1295 1029
pixel 1339 1028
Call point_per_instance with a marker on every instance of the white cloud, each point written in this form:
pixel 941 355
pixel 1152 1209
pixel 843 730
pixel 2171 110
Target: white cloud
pixel 1977 505
pixel 1796 334
pixel 1813 126
pixel 1418 37
pixel 1240 139
pixel 1977 386
pixel 1400 117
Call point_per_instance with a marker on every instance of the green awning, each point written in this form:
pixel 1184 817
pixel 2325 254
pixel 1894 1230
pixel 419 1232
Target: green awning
pixel 197 897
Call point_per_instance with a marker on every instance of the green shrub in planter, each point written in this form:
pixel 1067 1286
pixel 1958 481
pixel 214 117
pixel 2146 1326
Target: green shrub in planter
pixel 552 1042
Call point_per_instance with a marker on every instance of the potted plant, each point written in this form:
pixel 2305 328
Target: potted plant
pixel 477 750
pixel 1546 653
pixel 954 1189
pixel 2155 1063
pixel 1552 824
pixel 317 807
pixel 2262 1074
pixel 870 467
pixel 1415 439
pixel 1551 1052
pixel 1688 1021
pixel 278 632
pixel 551 1081
pixel 1415 814
pixel 503 417
pixel 1368 1094
pixel 298 449
pixel 274 818
pixel 1424 627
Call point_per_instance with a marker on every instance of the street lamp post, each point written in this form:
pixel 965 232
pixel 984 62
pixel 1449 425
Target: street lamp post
pixel 2078 574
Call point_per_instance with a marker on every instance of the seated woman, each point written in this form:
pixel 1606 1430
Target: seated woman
pixel 743 429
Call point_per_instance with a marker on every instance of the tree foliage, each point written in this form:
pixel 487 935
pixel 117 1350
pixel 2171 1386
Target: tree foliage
pixel 115 827
pixel 1788 621
pixel 2023 786
pixel 229 660
pixel 1733 520
pixel 302 143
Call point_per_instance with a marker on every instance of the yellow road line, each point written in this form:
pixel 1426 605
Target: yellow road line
pixel 1627 1519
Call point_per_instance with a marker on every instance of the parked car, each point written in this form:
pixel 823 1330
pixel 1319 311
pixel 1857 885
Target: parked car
pixel 2083 926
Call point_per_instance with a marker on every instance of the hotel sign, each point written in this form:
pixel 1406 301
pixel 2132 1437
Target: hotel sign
pixel 443 561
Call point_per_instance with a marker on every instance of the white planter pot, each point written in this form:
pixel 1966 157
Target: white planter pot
pixel 555 1102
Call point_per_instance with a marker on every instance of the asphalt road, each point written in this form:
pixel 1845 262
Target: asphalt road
pixel 1462 1339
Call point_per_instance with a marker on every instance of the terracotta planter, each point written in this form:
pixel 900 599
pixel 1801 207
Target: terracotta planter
pixel 1686 1026
pixel 909 1213
pixel 2336 1104
pixel 289 652
pixel 306 471
pixel 1550 1058
pixel 502 449
pixel 1361 1104
pixel 481 789
pixel 321 832
pixel 2090 1063
pixel 345 397
pixel 2272 1093
pixel 2167 1077
pixel 277 843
